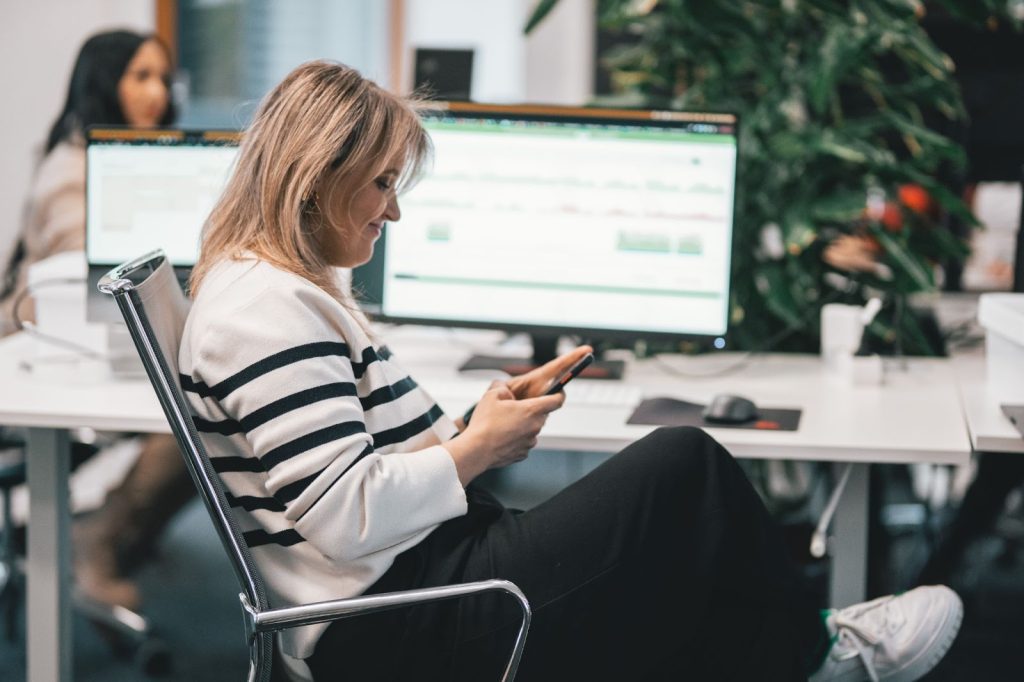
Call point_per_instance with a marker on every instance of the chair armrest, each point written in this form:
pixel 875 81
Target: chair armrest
pixel 273 620
pixel 336 609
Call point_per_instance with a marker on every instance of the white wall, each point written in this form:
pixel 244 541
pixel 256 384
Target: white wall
pixel 553 65
pixel 491 29
pixel 560 55
pixel 39 40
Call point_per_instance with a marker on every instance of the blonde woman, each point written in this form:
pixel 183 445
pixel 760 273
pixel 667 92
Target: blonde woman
pixel 348 478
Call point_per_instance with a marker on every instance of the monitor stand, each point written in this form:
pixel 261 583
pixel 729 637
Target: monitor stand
pixel 544 350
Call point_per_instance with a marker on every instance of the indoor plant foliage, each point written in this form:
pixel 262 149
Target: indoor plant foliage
pixel 833 98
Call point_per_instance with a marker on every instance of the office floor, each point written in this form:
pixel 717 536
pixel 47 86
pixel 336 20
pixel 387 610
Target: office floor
pixel 191 597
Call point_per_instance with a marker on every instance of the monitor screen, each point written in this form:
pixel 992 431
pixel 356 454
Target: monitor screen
pixel 150 189
pixel 602 222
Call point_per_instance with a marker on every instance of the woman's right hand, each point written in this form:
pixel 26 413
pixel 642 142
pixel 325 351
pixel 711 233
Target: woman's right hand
pixel 503 431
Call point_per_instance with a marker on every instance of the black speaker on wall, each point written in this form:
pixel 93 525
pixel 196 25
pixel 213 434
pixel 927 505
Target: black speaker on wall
pixel 443 73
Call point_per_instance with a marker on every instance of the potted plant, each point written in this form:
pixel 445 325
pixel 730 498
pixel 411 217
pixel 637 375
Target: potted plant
pixel 846 186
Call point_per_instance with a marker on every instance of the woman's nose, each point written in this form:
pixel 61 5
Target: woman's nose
pixel 393 213
pixel 158 90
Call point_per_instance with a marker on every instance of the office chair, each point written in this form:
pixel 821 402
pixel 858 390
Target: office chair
pixel 128 632
pixel 11 475
pixel 154 308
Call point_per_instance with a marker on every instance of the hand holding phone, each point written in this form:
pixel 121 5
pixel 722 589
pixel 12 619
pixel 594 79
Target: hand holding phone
pixel 559 383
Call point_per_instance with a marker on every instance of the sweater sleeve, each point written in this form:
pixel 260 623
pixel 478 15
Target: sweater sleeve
pixel 283 372
pixel 57 207
pixel 54 222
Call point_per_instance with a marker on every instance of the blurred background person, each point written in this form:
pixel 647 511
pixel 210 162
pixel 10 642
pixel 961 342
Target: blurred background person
pixel 119 78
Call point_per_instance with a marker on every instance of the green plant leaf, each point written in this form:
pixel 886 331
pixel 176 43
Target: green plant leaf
pixel 907 261
pixel 839 53
pixel 540 10
pixel 779 298
pixel 840 206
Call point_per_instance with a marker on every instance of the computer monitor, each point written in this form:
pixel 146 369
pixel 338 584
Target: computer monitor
pixel 149 189
pixel 603 223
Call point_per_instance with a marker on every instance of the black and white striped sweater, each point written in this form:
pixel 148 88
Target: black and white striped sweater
pixel 329 451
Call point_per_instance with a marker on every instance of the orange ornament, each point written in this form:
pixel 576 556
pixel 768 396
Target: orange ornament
pixel 916 199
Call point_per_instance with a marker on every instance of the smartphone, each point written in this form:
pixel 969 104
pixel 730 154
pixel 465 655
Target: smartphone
pixel 574 371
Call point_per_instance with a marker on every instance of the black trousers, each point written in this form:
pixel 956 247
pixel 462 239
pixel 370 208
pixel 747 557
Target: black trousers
pixel 661 564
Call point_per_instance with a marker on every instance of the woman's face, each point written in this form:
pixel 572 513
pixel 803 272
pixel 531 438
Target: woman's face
pixel 352 227
pixel 143 89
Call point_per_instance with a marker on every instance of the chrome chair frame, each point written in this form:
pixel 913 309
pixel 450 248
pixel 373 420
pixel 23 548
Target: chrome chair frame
pixel 127 283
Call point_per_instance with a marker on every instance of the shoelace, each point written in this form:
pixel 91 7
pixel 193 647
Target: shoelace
pixel 854 634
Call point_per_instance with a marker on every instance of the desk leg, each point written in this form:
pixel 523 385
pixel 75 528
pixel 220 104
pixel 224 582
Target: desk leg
pixel 849 575
pixel 49 553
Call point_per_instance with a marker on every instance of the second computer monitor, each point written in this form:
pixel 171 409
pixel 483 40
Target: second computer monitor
pixel 146 190
pixel 606 223
pixel 150 189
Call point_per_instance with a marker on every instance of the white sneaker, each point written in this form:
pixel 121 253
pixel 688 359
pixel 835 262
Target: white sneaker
pixel 892 639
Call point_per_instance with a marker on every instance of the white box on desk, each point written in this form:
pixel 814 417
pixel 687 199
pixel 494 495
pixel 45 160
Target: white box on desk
pixel 58 287
pixel 1002 316
pixel 59 290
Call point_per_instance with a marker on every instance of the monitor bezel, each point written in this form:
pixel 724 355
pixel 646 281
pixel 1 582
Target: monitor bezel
pixel 647 117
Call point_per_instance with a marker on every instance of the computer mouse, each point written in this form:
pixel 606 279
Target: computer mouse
pixel 729 409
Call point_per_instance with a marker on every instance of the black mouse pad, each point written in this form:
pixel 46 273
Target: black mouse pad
pixel 674 412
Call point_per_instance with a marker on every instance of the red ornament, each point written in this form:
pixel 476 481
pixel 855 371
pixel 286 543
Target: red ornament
pixel 892 217
pixel 916 199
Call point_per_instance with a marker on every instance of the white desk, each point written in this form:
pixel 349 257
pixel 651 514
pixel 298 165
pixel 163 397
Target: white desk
pixel 916 417
pixel 990 429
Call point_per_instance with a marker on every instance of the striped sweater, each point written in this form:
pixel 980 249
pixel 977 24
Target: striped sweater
pixel 329 451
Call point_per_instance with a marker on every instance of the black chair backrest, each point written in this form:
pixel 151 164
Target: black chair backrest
pixel 154 309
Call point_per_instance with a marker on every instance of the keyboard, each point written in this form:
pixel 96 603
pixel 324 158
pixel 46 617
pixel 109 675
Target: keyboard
pixel 603 393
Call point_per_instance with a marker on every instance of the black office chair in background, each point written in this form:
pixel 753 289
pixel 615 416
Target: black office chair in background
pixel 154 308
pixel 12 473
pixel 128 632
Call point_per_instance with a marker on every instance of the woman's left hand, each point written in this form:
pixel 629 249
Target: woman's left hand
pixel 535 382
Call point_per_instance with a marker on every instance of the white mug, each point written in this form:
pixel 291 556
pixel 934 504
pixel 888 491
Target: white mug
pixel 842 327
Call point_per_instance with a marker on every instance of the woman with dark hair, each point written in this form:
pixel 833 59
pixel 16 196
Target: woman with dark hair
pixel 119 78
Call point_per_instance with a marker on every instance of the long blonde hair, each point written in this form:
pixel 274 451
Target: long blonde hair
pixel 323 118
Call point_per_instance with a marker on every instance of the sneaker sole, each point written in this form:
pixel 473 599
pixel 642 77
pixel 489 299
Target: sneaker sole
pixel 936 650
